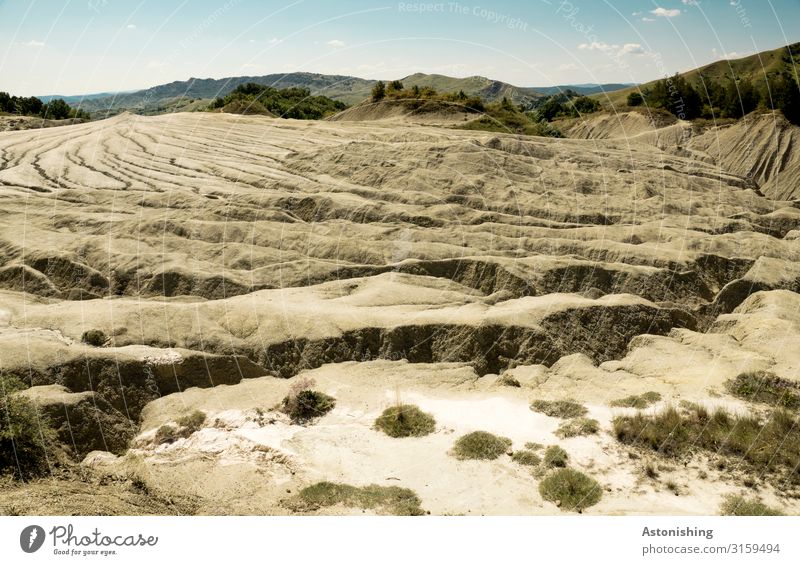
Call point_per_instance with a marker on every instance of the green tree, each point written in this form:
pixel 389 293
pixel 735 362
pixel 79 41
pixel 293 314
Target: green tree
pixel 56 110
pixel 378 91
pixel 635 99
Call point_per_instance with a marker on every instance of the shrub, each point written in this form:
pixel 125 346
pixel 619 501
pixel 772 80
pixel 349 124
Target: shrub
pixel 570 489
pixel 559 408
pixel 767 388
pixel 166 434
pixel 378 91
pixel 405 420
pixel 635 99
pixel 526 457
pixel 508 380
pixel 480 445
pixel 94 337
pixel 391 500
pixel 27 439
pixel 637 401
pixel 578 427
pixel 192 422
pixel 739 506
pixel 555 456
pixel 303 404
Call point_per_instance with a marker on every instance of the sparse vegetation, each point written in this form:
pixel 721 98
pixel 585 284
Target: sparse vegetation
pixel 559 408
pixel 192 422
pixel 771 444
pixel 578 427
pixel 555 456
pixel 389 500
pixel 767 388
pixel 481 445
pixel 303 404
pixel 405 420
pixel 55 109
pixel 570 489
pixel 740 506
pixel 508 118
pixel 166 434
pixel 96 338
pixel 526 457
pixel 508 380
pixel 27 439
pixel 637 401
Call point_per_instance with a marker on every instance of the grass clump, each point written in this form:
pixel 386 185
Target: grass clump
pixel 526 457
pixel 94 337
pixel 570 489
pixel 192 421
pixel 304 404
pixel 740 506
pixel 166 434
pixel 27 440
pixel 388 500
pixel 480 445
pixel 578 427
pixel 405 420
pixel 508 380
pixel 637 401
pixel 767 388
pixel 770 444
pixel 555 456
pixel 559 408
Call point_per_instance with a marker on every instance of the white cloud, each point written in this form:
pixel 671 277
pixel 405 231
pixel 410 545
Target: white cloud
pixel 648 20
pixel 274 41
pixel 664 13
pixel 336 43
pixel 690 2
pixel 632 49
pixel 568 67
pixel 730 54
pixel 33 43
pixel 613 49
pixel 131 26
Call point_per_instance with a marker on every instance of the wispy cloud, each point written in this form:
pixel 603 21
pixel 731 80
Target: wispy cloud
pixel 33 43
pixel 613 49
pixel 131 26
pixel 568 67
pixel 336 43
pixel 664 13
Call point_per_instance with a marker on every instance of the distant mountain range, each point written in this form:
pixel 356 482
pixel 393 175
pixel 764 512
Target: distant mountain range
pixel 196 93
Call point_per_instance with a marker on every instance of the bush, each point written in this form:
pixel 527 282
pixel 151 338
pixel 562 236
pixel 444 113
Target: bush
pixel 27 439
pixel 578 427
pixel 392 500
pixel 303 404
pixel 767 388
pixel 166 434
pixel 526 457
pixel 94 337
pixel 570 489
pixel 192 422
pixel 508 380
pixel 405 420
pixel 481 445
pixel 559 408
pixel 635 99
pixel 739 506
pixel 555 456
pixel 637 401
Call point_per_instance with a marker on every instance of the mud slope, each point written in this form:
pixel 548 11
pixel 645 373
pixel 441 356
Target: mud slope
pixel 219 257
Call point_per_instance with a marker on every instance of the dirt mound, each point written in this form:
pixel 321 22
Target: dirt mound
pixel 410 111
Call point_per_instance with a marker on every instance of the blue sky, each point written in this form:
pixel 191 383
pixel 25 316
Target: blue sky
pixel 85 46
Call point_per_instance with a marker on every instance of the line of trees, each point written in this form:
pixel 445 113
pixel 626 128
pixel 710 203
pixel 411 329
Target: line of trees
pixel 567 104
pixel 56 109
pixel 296 103
pixel 732 98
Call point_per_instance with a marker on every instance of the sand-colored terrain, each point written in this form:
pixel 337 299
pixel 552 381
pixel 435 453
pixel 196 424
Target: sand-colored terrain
pixel 225 257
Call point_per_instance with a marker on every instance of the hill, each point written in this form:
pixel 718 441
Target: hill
pixel 757 68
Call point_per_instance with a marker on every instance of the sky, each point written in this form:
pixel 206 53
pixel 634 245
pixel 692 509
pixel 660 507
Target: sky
pixel 87 46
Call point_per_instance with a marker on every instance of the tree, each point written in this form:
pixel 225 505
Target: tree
pixel 378 91
pixel 5 102
pixel 785 95
pixel 635 99
pixel 394 86
pixel 56 110
pixel 415 91
pixel 585 105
